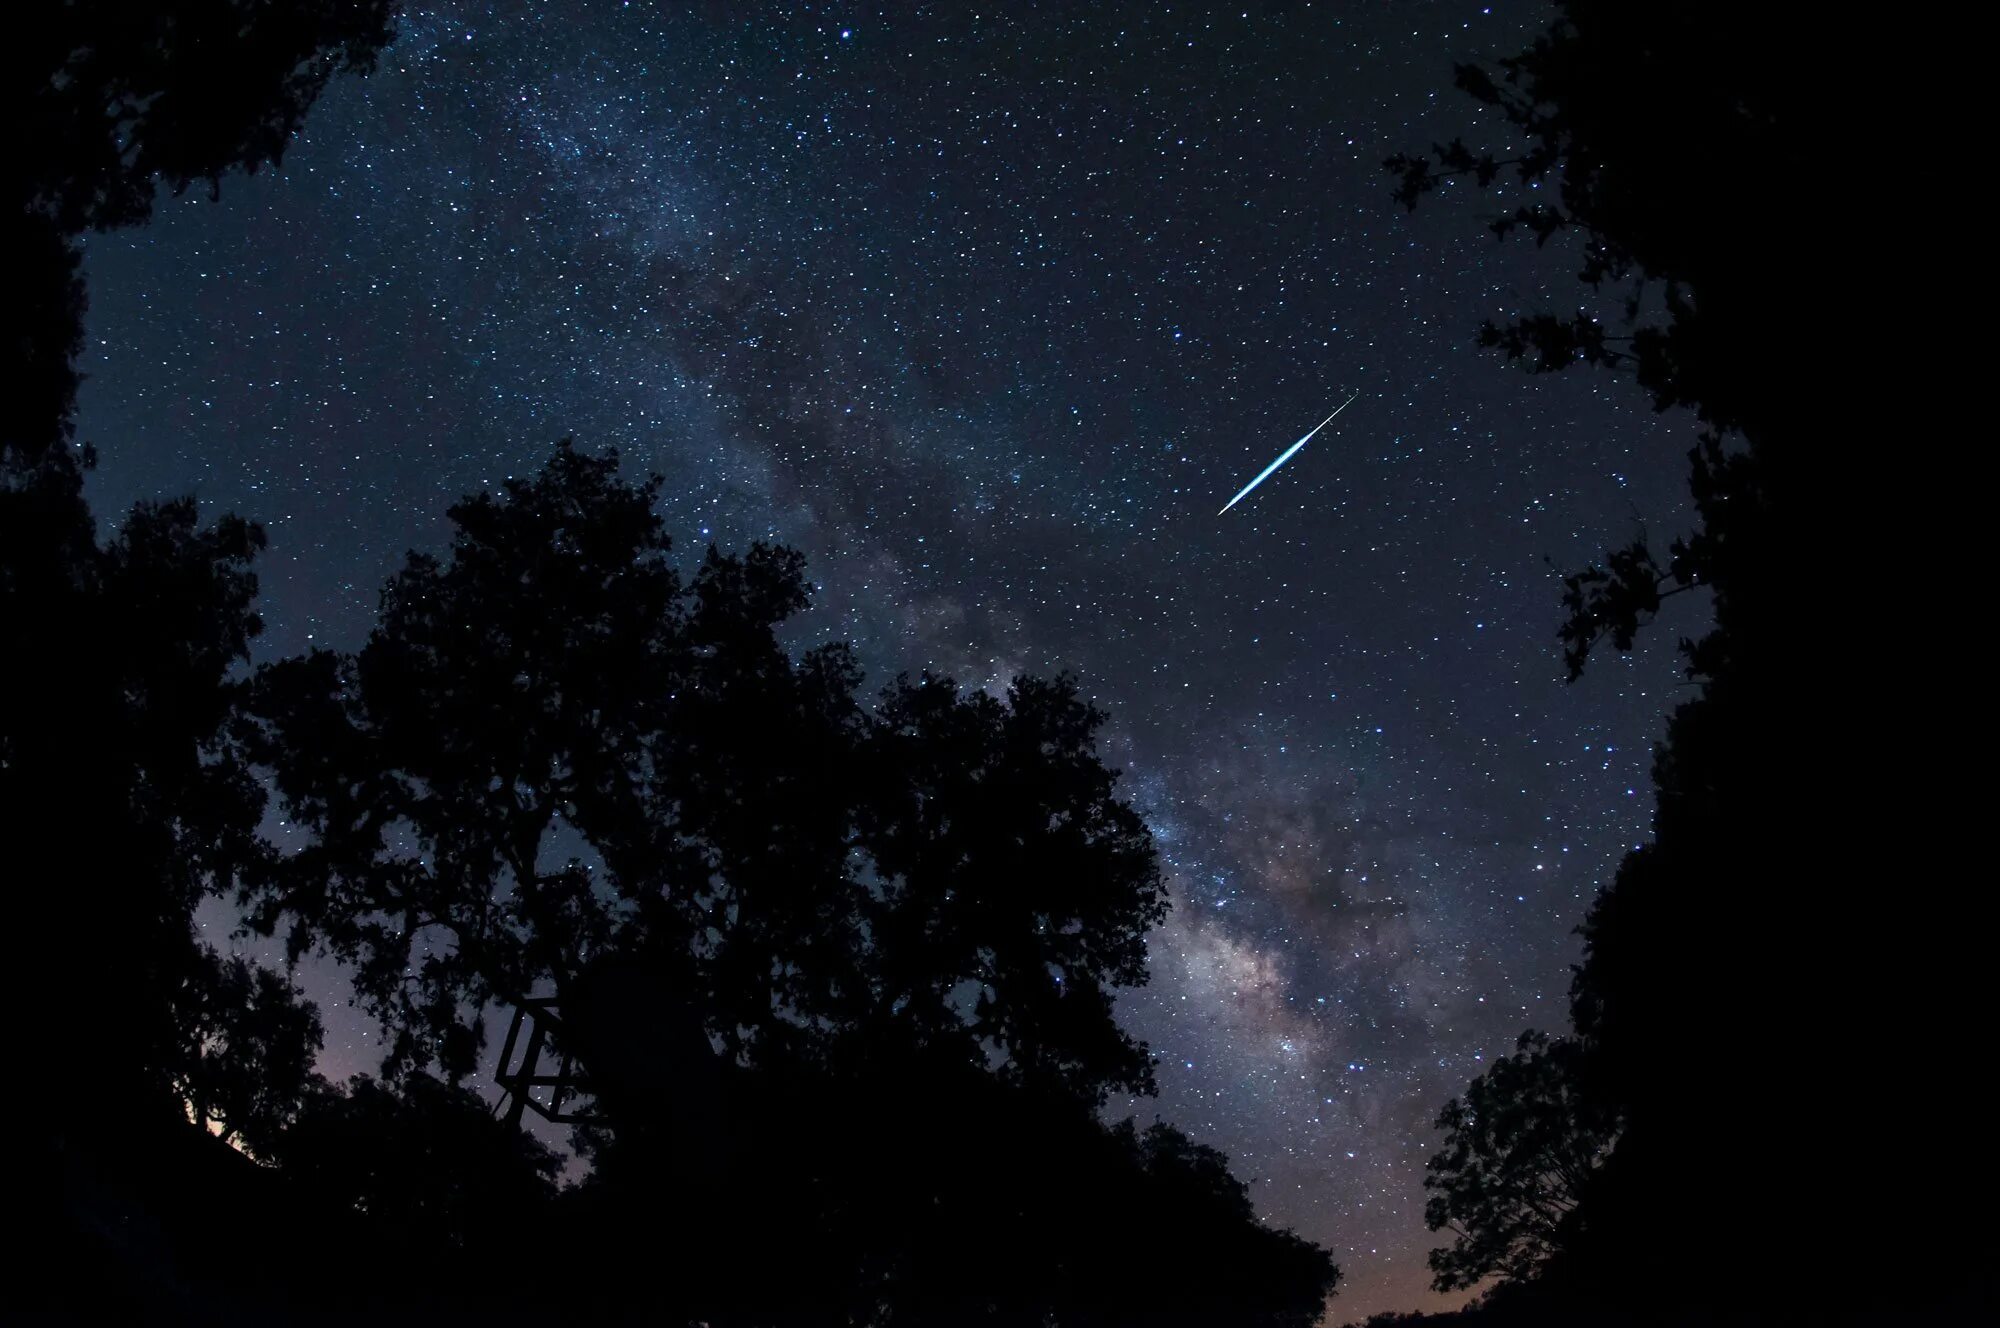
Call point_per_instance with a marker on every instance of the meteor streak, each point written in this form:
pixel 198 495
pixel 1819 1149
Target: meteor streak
pixel 1265 474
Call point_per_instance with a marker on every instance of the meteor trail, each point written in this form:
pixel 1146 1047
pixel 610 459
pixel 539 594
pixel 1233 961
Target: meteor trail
pixel 1265 474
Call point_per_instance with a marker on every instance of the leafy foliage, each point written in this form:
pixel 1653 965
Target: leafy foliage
pixel 1617 600
pixel 123 800
pixel 424 1163
pixel 1684 149
pixel 1642 119
pixel 1669 154
pixel 249 1041
pixel 122 781
pixel 949 872
pixel 781 929
pixel 111 96
pixel 1520 1149
pixel 557 763
pixel 109 99
pixel 1003 1208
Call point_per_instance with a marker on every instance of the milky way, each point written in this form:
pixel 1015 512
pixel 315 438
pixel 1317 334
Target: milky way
pixel 988 315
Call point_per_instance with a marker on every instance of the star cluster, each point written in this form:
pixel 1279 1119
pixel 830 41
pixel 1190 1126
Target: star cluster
pixel 988 313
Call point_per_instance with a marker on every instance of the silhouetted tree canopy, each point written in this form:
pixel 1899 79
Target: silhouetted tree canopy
pixel 123 799
pixel 249 1041
pixel 109 99
pixel 1736 961
pixel 424 1163
pixel 1520 1149
pixel 841 975
pixel 901 926
pixel 1671 139
pixel 837 978
pixel 128 799
pixel 928 1192
pixel 554 749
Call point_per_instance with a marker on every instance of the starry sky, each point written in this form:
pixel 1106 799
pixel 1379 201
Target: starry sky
pixel 989 311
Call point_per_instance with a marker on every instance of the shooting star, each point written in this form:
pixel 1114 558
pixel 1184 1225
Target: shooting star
pixel 1265 474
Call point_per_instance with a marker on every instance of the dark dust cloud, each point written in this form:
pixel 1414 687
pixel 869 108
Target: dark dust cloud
pixel 989 314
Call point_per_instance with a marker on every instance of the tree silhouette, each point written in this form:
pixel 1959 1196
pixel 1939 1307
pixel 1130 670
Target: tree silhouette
pixel 126 803
pixel 1233 1269
pixel 1010 872
pixel 122 783
pixel 552 751
pixel 123 801
pixel 109 99
pixel 1520 1149
pixel 1672 138
pixel 1721 977
pixel 114 96
pixel 425 1164
pixel 114 768
pixel 837 978
pixel 249 1041
pixel 931 1193
pixel 1641 118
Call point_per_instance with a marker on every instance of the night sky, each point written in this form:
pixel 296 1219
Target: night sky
pixel 989 315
